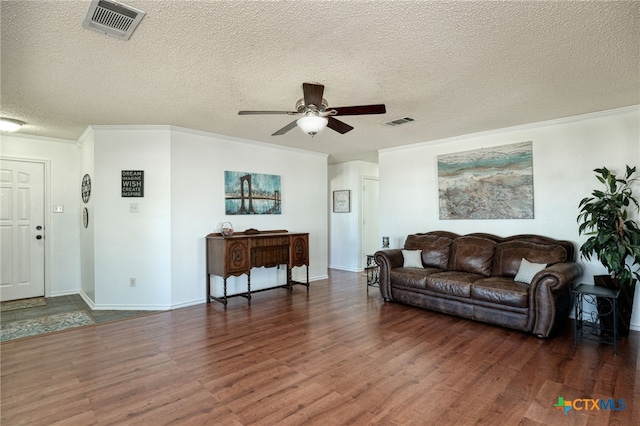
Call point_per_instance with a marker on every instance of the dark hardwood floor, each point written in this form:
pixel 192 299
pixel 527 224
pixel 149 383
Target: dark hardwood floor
pixel 334 356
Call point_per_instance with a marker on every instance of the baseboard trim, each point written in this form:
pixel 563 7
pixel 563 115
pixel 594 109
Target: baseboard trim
pixel 97 307
pixel 346 268
pixel 86 299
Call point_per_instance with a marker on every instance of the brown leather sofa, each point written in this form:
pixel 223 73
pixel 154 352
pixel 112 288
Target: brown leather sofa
pixel 472 276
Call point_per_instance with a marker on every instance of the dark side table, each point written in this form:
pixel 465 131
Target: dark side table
pixel 600 324
pixel 372 271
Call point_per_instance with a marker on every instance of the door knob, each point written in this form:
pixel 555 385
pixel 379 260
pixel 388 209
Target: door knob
pixel 38 227
pixel 38 237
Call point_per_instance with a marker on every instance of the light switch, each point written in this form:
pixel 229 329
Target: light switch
pixel 133 208
pixel 58 208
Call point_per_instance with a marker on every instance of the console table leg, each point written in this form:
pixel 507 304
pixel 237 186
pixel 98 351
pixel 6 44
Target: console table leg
pixel 249 288
pixel 225 295
pixel 208 288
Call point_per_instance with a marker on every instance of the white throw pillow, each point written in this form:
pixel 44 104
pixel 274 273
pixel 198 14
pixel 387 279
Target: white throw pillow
pixel 527 271
pixel 412 258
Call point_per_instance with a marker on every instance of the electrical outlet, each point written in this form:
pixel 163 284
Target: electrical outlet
pixel 132 282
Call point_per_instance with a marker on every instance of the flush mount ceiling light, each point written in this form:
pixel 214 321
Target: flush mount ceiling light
pixel 312 124
pixel 10 125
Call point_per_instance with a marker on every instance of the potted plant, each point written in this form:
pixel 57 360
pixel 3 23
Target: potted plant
pixel 614 237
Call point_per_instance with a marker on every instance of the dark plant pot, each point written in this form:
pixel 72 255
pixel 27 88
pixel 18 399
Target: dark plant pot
pixel 625 304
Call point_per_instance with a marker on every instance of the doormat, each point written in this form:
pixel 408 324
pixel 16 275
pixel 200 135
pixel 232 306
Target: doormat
pixel 13 305
pixel 36 326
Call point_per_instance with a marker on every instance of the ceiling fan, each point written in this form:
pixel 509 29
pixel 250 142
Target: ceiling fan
pixel 315 113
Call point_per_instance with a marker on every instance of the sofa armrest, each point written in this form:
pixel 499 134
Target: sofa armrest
pixel 550 296
pixel 387 260
pixel 561 275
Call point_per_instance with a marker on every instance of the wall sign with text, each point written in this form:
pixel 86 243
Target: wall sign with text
pixel 133 183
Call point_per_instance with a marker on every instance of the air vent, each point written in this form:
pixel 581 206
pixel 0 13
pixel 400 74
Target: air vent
pixel 112 18
pixel 400 121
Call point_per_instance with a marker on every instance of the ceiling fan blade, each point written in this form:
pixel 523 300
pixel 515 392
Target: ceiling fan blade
pixel 313 93
pixel 266 112
pixel 285 129
pixel 361 109
pixel 338 126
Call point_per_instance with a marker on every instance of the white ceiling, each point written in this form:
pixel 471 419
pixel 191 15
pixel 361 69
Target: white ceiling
pixel 456 67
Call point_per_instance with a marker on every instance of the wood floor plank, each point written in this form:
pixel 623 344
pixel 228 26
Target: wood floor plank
pixel 336 355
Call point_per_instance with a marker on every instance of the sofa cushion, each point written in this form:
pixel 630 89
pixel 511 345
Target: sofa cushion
pixel 508 256
pixel 412 258
pixel 454 283
pixel 472 254
pixel 501 291
pixel 528 270
pixel 435 249
pixel 412 277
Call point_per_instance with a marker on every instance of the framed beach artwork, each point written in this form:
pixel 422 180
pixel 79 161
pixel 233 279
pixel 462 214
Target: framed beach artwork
pixel 487 183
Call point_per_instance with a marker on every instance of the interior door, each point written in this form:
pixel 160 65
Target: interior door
pixel 370 218
pixel 21 229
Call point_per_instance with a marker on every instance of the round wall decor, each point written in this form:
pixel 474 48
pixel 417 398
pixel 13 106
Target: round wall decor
pixel 85 217
pixel 86 188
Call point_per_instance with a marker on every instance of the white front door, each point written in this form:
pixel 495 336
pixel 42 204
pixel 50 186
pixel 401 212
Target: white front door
pixel 21 229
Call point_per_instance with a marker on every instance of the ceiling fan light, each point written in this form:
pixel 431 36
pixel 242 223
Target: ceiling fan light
pixel 10 125
pixel 312 124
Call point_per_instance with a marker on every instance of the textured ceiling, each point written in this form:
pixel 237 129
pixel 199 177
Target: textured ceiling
pixel 456 67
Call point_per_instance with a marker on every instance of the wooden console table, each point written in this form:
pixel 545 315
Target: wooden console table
pixel 237 254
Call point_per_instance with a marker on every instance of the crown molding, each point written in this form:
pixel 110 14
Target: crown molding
pixel 529 126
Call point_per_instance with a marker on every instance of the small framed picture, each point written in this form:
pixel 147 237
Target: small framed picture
pixel 342 201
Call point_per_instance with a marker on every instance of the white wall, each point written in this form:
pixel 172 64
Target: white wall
pixel 346 228
pixel 564 154
pixel 87 240
pixel 198 163
pixel 131 245
pixel 63 159
pixel 162 246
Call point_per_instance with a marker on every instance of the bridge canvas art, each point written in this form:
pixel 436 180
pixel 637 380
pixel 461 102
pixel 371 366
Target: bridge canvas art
pixel 251 193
